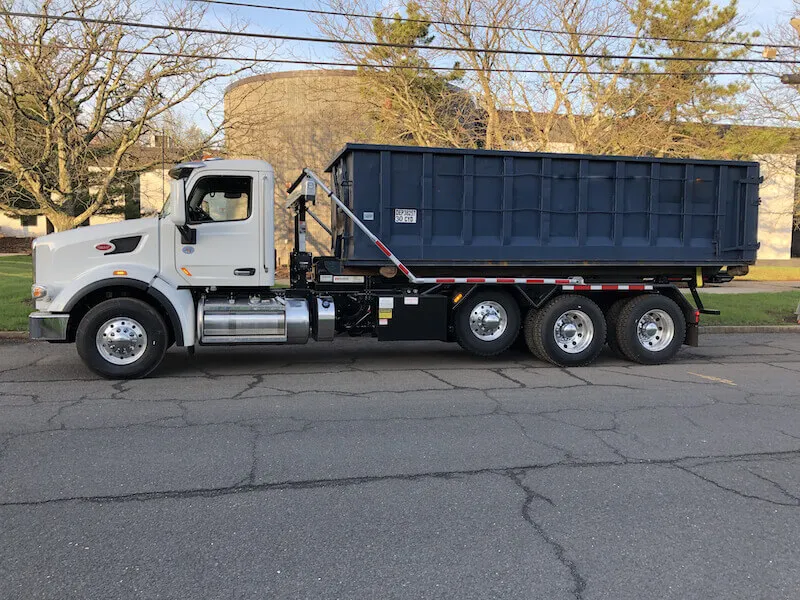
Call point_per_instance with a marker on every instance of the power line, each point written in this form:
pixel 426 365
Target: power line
pixel 325 63
pixel 310 39
pixel 333 13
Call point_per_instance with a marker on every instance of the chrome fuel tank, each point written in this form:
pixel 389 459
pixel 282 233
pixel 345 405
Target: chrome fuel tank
pixel 241 319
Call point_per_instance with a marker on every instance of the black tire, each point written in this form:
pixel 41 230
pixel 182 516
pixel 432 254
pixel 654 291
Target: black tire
pixel 612 315
pixel 469 340
pixel 155 332
pixel 540 331
pixel 627 329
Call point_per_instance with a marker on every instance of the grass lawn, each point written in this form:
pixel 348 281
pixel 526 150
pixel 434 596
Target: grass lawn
pixel 763 308
pixel 772 273
pixel 15 292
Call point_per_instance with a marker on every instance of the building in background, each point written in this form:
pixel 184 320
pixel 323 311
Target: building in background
pixel 296 119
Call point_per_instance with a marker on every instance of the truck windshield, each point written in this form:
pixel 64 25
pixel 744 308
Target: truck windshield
pixel 167 208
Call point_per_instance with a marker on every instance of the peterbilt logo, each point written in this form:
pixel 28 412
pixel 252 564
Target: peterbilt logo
pixel 104 247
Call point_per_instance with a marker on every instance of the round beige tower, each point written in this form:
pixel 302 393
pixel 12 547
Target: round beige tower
pixel 295 119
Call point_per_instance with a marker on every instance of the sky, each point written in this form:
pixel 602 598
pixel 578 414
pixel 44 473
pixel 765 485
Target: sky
pixel 756 14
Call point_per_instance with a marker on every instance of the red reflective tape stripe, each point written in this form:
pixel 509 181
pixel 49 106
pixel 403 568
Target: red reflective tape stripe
pixel 582 287
pixel 534 281
pixel 505 280
pixel 445 281
pixel 402 268
pixel 383 248
pixel 639 288
pixel 609 287
pixel 476 280
pixel 563 281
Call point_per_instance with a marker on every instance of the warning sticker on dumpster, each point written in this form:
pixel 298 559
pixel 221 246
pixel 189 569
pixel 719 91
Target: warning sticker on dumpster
pixel 385 302
pixel 385 313
pixel 405 215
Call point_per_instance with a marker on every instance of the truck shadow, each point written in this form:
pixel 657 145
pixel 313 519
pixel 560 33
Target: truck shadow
pixel 314 358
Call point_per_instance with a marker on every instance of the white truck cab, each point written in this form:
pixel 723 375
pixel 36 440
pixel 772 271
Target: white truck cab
pixel 215 231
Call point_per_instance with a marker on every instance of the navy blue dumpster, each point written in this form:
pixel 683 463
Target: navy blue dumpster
pixel 435 206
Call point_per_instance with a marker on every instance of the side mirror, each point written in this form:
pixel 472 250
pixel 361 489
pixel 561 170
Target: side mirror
pixel 178 214
pixel 178 193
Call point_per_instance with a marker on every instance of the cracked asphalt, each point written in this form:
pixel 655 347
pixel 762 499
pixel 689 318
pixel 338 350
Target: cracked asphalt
pixel 407 470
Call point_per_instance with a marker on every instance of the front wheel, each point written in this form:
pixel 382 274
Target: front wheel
pixel 122 338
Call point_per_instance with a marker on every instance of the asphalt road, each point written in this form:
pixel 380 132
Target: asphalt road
pixel 365 470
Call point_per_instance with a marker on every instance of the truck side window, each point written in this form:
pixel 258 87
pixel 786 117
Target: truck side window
pixel 220 198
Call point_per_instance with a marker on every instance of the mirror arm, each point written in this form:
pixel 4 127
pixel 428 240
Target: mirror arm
pixel 188 235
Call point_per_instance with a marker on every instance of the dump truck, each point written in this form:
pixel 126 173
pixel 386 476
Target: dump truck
pixel 557 253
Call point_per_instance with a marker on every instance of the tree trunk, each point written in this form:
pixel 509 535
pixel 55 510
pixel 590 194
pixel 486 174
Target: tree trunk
pixel 61 221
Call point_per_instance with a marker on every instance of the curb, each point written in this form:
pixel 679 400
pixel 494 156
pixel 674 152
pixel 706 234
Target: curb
pixel 750 329
pixel 13 335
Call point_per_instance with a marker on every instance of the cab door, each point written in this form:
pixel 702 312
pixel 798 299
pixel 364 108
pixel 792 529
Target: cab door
pixel 222 210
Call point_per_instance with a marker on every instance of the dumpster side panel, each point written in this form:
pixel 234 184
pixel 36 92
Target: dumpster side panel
pixel 503 208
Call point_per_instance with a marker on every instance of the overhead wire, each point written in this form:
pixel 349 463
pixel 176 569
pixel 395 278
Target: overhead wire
pixel 312 39
pixel 618 36
pixel 326 63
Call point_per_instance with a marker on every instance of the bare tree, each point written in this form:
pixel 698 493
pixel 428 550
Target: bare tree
pixel 574 100
pixel 77 96
pixel 478 29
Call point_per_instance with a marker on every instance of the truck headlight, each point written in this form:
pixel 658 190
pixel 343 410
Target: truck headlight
pixel 38 291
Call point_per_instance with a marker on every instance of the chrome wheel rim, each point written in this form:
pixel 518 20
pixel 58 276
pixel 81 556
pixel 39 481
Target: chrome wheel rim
pixel 488 320
pixel 573 331
pixel 121 340
pixel 655 330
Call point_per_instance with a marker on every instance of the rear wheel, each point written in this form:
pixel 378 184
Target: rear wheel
pixel 122 338
pixel 650 329
pixel 487 322
pixel 568 331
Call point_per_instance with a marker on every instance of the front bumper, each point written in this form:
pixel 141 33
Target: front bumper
pixel 48 326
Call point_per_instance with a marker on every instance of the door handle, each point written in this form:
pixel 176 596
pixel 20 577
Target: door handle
pixel 245 272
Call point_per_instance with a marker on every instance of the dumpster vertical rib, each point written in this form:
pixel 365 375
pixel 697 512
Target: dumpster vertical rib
pixel 686 205
pixel 654 201
pixel 619 202
pixel 581 222
pixel 722 191
pixel 469 198
pixel 508 199
pixel 385 214
pixel 426 203
pixel 547 188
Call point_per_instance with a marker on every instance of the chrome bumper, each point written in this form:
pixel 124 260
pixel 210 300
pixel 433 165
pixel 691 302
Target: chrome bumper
pixel 48 326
